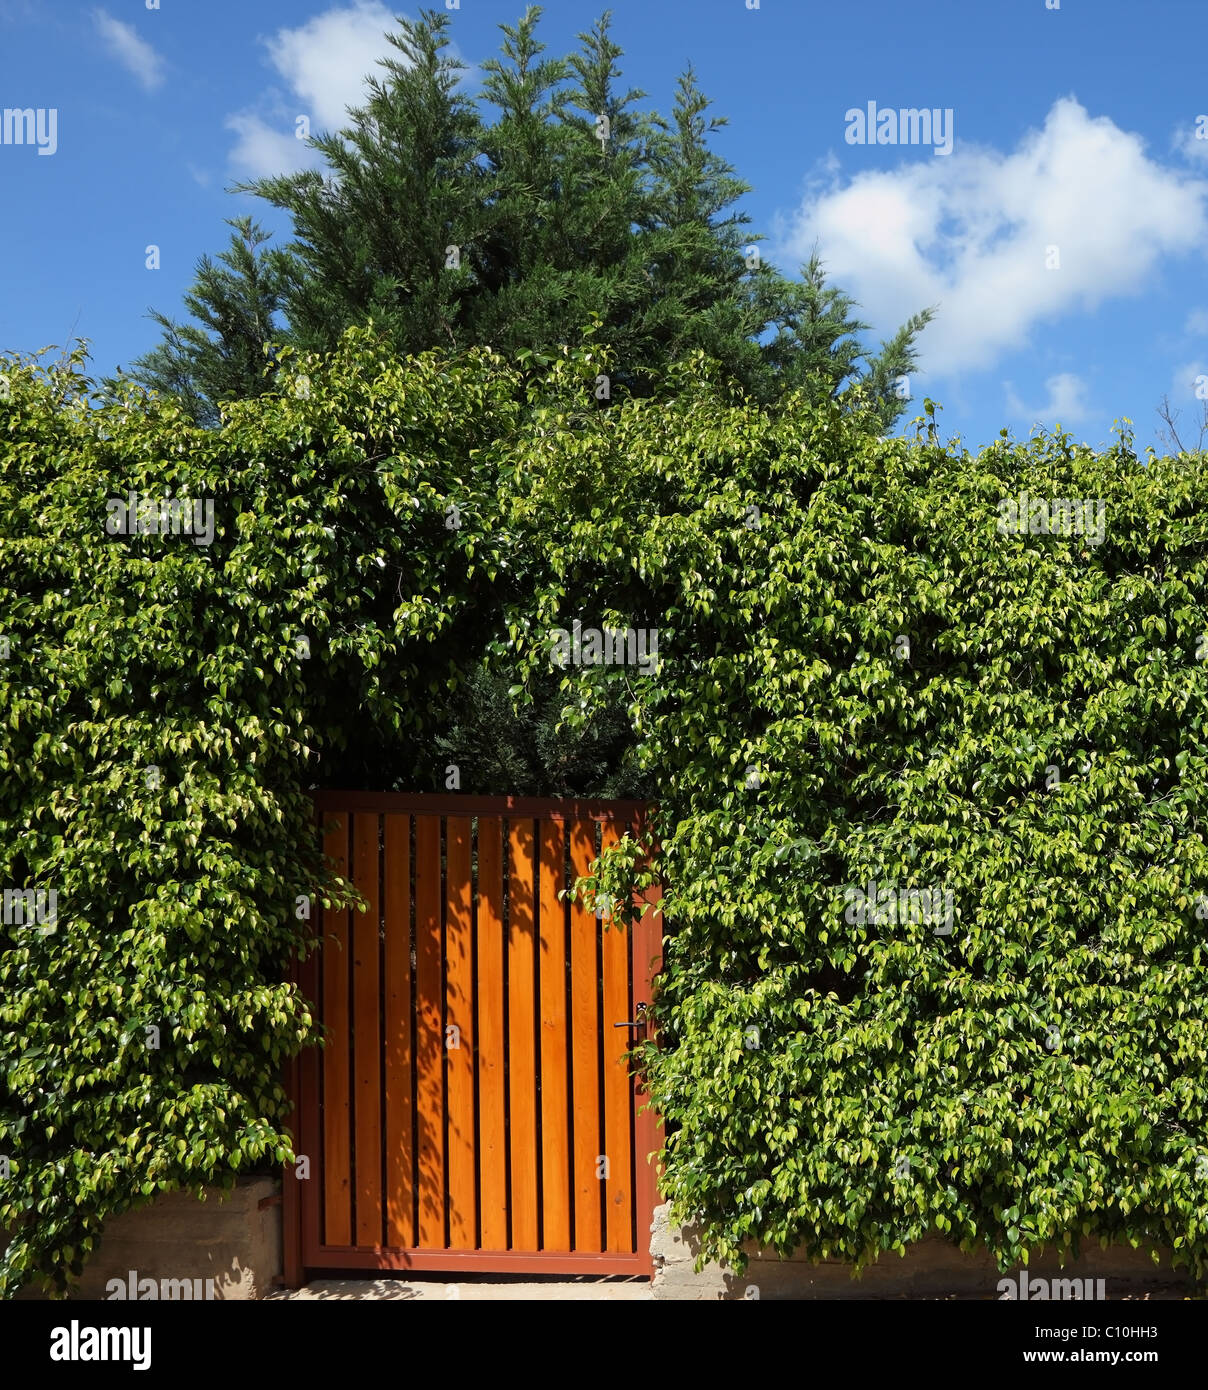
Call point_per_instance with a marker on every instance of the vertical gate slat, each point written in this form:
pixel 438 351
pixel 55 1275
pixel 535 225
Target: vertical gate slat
pixel 366 1038
pixel 492 1150
pixel 429 1043
pixel 337 1152
pixel 555 1138
pixel 647 962
pixel 306 1123
pixel 459 1011
pixel 585 1035
pixel 618 1099
pixel 522 1051
pixel 400 1220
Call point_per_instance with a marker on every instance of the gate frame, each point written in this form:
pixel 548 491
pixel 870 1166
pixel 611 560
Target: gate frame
pixel 300 1218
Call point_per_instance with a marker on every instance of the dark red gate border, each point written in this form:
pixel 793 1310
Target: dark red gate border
pixel 300 1219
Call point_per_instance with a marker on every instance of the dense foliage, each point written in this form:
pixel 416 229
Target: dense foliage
pixel 166 701
pixel 235 304
pixel 860 678
pixel 878 686
pixel 544 207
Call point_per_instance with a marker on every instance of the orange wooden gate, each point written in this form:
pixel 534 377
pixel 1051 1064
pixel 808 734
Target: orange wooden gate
pixel 472 1109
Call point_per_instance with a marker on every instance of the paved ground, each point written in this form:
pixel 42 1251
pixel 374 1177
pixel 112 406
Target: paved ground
pixel 476 1289
pixel 484 1289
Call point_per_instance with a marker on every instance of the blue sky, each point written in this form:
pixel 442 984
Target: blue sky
pixel 1063 239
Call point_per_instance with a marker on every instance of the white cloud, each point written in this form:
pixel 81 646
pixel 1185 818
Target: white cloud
pixel 1183 383
pixel 324 64
pixel 326 61
pixel 969 233
pixel 1197 322
pixel 1191 140
pixel 1066 404
pixel 131 50
pixel 261 150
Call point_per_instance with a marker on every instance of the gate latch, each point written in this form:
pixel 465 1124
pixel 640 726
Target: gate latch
pixel 639 1022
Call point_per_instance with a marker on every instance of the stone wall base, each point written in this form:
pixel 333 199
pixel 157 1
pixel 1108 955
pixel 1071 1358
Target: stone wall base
pixel 933 1268
pixel 227 1239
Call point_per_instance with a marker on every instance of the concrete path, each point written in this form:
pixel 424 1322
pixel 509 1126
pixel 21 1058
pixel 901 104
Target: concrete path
pixel 477 1289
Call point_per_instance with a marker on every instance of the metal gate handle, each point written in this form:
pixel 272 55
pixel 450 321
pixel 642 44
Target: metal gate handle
pixel 639 1022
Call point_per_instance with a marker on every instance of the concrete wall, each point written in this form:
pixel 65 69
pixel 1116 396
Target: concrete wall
pixel 227 1238
pixel 931 1269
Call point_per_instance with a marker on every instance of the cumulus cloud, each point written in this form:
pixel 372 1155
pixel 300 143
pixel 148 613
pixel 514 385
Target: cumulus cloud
pixel 1066 403
pixel 324 64
pixel 326 61
pixel 971 233
pixel 131 50
pixel 1191 139
pixel 262 149
pixel 1185 381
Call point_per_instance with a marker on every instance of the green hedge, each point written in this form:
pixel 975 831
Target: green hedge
pixel 166 701
pixel 860 678
pixel 1018 1058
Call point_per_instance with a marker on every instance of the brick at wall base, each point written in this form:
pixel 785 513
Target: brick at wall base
pixel 932 1268
pixel 228 1238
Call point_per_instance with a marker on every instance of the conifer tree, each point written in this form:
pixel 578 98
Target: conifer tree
pixel 235 302
pixel 569 207
pixel 380 233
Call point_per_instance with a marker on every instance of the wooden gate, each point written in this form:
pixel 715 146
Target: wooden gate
pixel 472 1109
